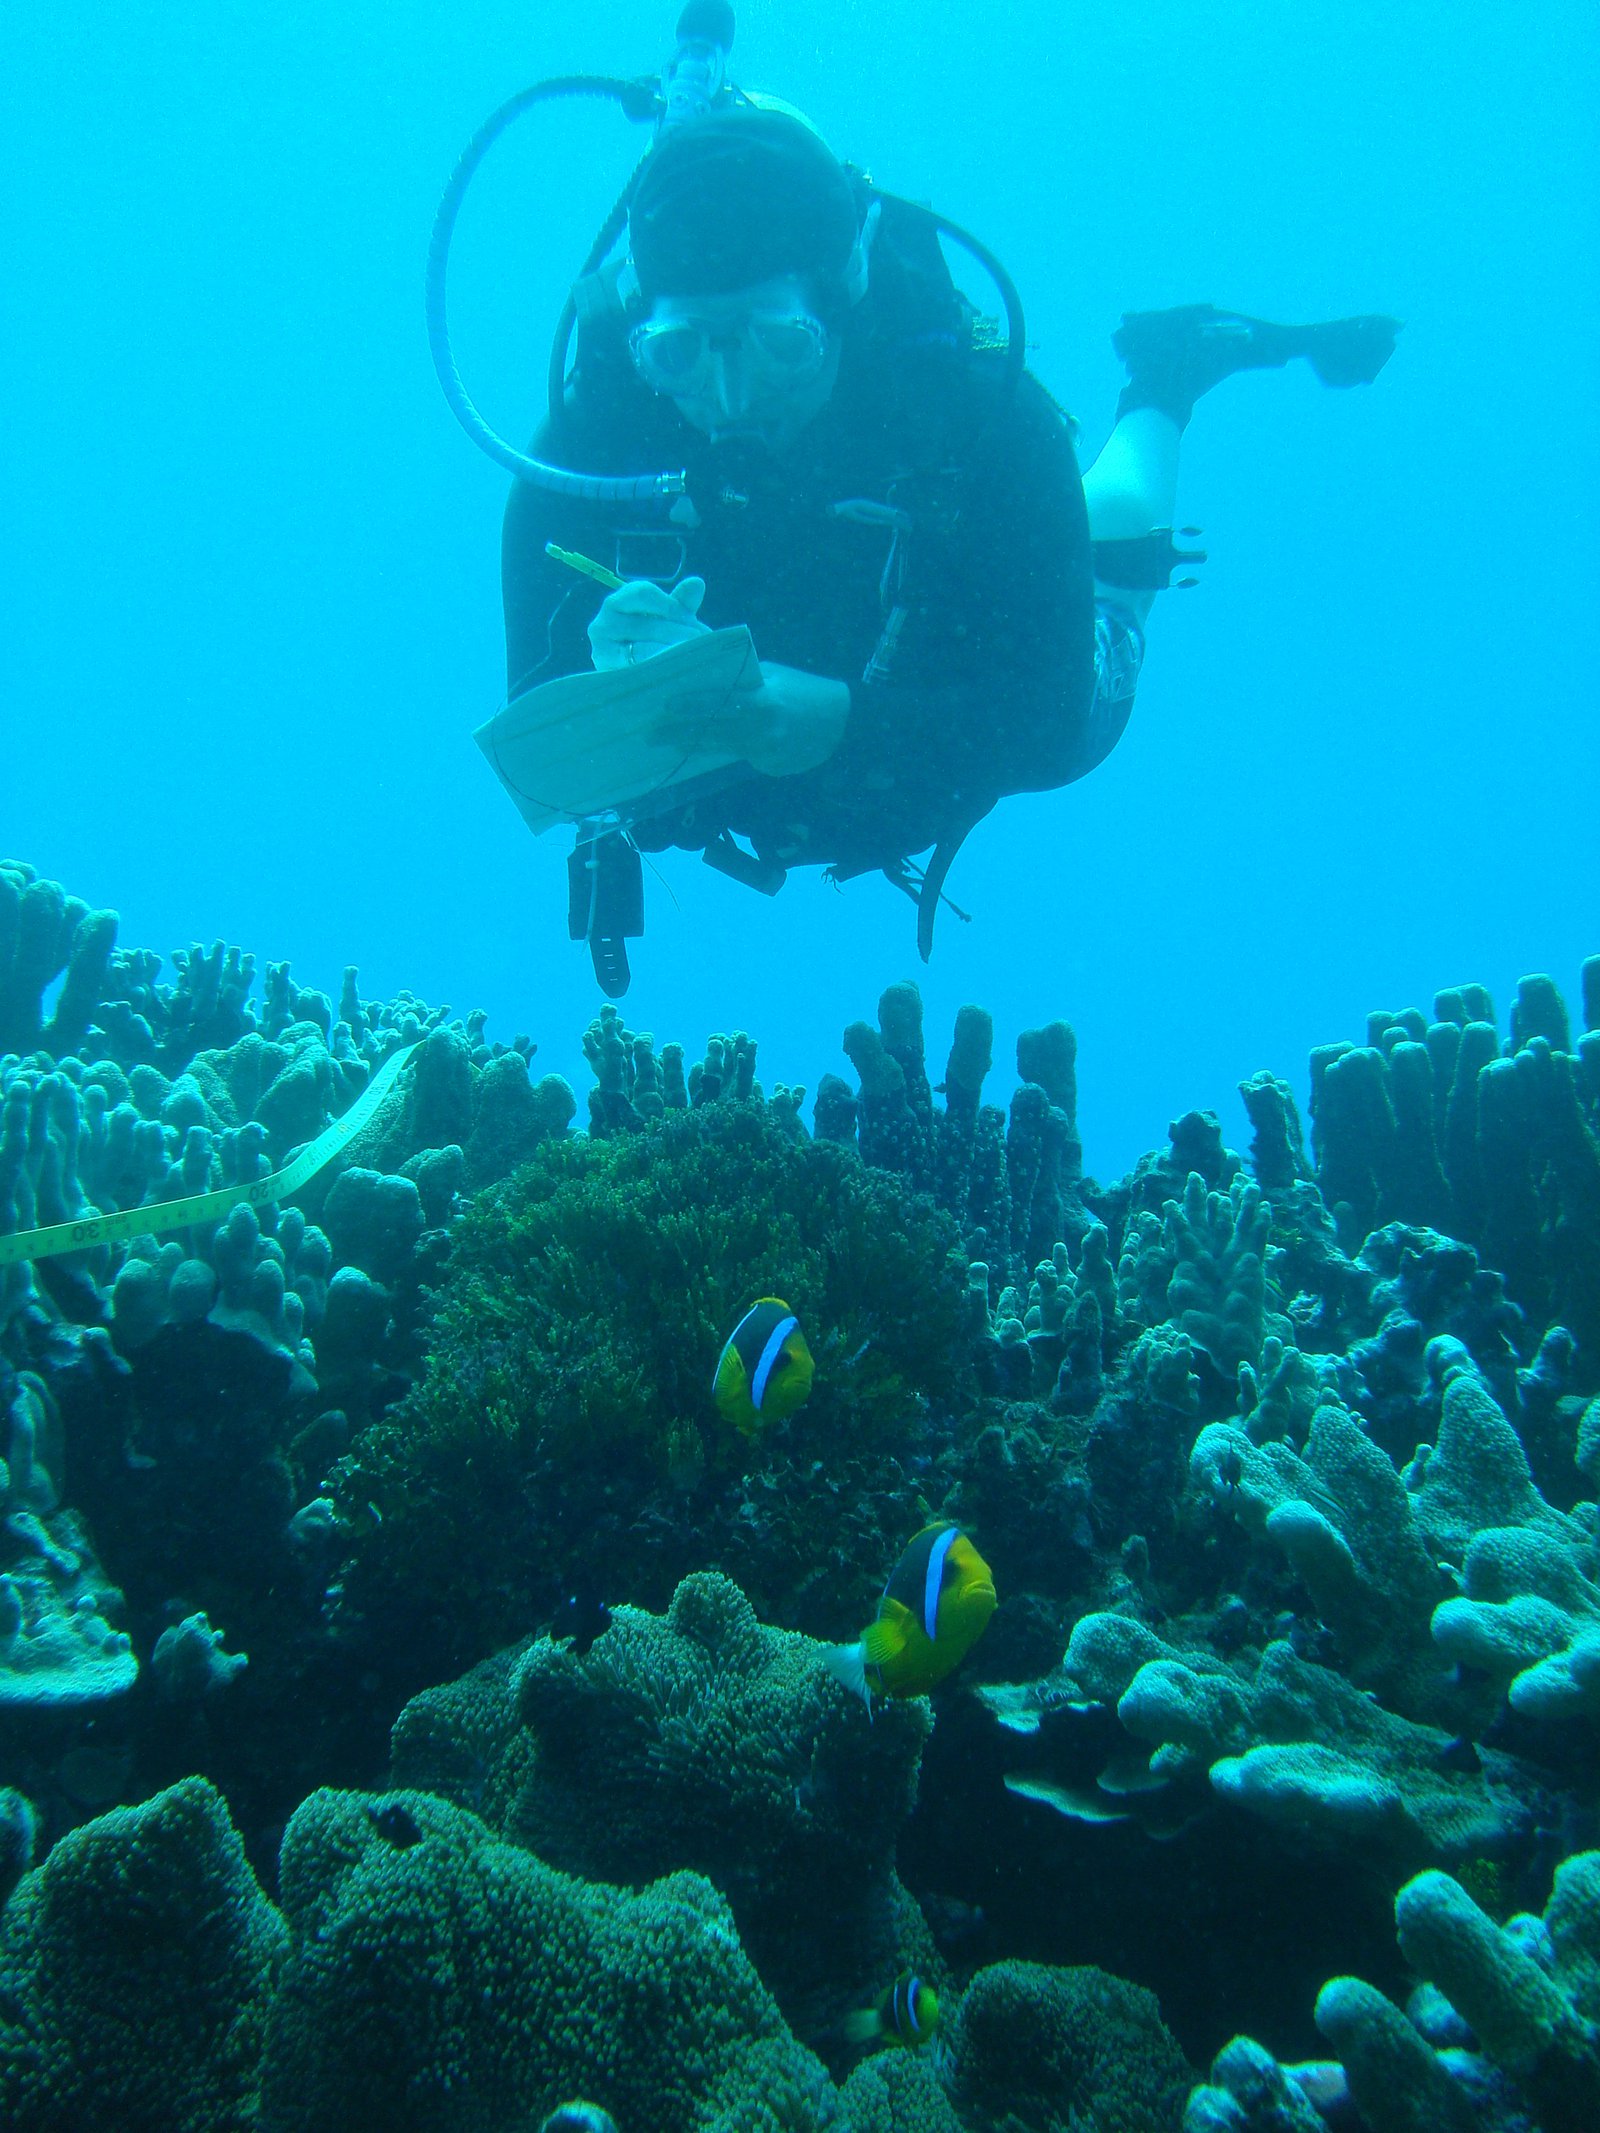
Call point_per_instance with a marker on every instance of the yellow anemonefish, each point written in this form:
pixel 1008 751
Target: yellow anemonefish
pixel 934 1609
pixel 765 1368
pixel 908 2013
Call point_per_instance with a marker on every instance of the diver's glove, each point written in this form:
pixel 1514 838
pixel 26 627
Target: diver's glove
pixel 1145 561
pixel 781 722
pixel 639 619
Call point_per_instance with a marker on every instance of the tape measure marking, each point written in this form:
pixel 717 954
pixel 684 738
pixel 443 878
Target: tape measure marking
pixel 205 1206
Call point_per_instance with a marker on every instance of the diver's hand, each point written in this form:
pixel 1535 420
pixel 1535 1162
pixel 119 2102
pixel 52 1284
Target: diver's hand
pixel 787 722
pixel 639 619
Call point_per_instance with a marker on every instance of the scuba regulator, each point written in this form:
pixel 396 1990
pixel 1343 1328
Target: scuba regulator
pixel 694 82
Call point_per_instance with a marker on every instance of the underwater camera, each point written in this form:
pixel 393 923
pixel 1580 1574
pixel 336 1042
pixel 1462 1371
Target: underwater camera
pixel 694 81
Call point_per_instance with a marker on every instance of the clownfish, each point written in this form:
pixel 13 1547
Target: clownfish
pixel 765 1368
pixel 908 2014
pixel 934 1609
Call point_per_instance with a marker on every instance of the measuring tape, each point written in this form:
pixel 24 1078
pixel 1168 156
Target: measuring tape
pixel 206 1206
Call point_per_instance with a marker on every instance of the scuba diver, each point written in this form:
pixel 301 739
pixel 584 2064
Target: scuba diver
pixel 944 611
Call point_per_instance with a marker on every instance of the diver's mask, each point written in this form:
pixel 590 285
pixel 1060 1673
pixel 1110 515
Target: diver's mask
pixel 778 350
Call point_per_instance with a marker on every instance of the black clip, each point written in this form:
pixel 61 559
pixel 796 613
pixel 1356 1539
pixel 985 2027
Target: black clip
pixel 747 867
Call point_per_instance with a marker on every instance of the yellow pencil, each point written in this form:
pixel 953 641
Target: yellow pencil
pixel 584 565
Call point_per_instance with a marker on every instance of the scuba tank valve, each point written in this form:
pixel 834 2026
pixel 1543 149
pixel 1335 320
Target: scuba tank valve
pixel 699 68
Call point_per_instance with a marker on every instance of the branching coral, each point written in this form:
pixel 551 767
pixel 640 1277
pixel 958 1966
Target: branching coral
pixel 1343 1519
pixel 1439 1126
pixel 1012 1183
pixel 1201 1267
pixel 1294 1743
pixel 1503 2034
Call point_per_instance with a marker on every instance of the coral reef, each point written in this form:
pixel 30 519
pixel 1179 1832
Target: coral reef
pixel 1503 2032
pixel 1285 1465
pixel 172 1407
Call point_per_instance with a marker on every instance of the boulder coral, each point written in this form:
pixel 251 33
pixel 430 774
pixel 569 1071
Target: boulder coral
pixel 1056 2050
pixel 137 1964
pixel 442 1980
pixel 699 1740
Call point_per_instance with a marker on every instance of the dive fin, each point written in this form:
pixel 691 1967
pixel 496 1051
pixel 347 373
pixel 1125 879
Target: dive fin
pixel 1351 351
pixel 1173 358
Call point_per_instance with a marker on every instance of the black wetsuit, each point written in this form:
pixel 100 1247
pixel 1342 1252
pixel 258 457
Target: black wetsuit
pixel 990 683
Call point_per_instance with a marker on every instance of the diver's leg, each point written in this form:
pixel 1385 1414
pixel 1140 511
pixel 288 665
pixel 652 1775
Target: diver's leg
pixel 1131 490
pixel 1132 487
pixel 1173 358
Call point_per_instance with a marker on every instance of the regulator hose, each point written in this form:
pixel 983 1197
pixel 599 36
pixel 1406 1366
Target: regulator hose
pixel 1005 287
pixel 639 100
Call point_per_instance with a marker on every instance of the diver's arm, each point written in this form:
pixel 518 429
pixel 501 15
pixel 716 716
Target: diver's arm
pixel 785 722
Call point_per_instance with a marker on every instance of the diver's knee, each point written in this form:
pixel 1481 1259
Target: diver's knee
pixel 1118 660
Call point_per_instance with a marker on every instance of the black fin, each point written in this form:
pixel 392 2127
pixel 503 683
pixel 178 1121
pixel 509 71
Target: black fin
pixel 1351 351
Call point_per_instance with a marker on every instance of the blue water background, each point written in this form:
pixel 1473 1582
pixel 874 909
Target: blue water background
pixel 251 566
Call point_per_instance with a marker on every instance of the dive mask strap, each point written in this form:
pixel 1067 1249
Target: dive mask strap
pixel 609 294
pixel 855 273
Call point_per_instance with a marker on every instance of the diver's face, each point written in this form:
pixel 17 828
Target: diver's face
pixel 758 363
